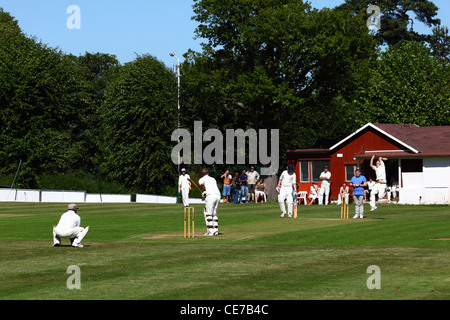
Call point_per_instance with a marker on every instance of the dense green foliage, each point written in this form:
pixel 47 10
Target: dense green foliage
pixel 276 64
pixel 68 118
pixel 138 118
pixel 406 85
pixel 314 73
pixel 279 64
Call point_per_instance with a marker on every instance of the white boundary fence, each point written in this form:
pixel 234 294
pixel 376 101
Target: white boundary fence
pixel 145 198
pixel 63 196
pixel 20 195
pixel 49 196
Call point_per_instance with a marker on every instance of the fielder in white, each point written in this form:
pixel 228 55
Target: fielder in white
pixel 286 185
pixel 69 227
pixel 184 186
pixel 211 193
pixel 380 187
pixel 325 176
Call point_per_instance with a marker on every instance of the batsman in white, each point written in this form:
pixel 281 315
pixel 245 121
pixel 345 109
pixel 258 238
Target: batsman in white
pixel 286 184
pixel 211 194
pixel 69 227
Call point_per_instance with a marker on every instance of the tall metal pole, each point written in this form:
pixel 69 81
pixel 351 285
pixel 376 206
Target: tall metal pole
pixel 179 110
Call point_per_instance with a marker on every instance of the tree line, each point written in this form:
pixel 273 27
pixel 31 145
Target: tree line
pixel 91 123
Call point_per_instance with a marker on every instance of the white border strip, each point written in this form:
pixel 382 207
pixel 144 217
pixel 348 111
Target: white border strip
pixel 381 151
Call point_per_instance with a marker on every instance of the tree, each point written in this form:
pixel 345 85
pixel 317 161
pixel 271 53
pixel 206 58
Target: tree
pixel 406 85
pixel 280 64
pixel 440 44
pixel 93 69
pixel 138 116
pixel 396 24
pixel 40 99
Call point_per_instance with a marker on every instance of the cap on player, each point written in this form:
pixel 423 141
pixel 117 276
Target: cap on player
pixel 290 167
pixel 183 169
pixel 72 206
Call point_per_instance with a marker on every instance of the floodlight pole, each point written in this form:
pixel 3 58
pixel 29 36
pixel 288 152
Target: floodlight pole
pixel 179 82
pixel 172 54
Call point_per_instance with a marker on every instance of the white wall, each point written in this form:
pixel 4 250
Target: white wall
pixel 145 198
pixel 413 188
pixel 436 180
pixel 63 196
pixel 108 198
pixel 432 186
pixel 22 195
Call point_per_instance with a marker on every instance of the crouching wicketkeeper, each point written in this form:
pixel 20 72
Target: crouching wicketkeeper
pixel 69 227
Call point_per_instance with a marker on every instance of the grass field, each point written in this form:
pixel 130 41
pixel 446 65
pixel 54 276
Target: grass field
pixel 137 251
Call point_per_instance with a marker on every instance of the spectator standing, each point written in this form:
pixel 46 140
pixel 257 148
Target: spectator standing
pixel 226 192
pixel 243 179
pixel 236 187
pixel 253 177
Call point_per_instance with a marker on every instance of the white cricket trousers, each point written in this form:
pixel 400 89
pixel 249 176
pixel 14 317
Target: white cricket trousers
pixel 77 233
pixel 211 205
pixel 380 189
pixel 286 194
pixel 185 196
pixel 324 190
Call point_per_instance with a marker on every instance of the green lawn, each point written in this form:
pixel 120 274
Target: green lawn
pixel 137 251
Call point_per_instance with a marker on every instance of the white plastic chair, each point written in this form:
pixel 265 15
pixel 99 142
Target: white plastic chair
pixel 302 195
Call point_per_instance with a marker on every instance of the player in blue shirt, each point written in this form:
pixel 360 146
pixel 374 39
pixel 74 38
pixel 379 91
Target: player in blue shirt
pixel 243 179
pixel 358 183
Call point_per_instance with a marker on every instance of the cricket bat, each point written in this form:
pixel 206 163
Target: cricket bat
pixel 295 209
pixel 193 183
pixel 294 196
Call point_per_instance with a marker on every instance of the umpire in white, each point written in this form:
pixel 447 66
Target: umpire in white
pixel 69 227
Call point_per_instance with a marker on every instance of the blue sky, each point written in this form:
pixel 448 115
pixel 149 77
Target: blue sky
pixel 127 28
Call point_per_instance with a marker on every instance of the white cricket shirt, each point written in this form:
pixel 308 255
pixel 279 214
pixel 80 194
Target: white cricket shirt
pixel 287 180
pixel 69 220
pixel 326 175
pixel 381 172
pixel 183 181
pixel 210 185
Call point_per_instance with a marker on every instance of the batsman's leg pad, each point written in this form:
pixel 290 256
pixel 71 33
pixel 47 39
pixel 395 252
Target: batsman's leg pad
pixel 215 224
pixel 56 239
pixel 80 236
pixel 281 197
pixel 208 221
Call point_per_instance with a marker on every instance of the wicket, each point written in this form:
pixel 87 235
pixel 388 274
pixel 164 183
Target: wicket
pixel 344 207
pixel 187 214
